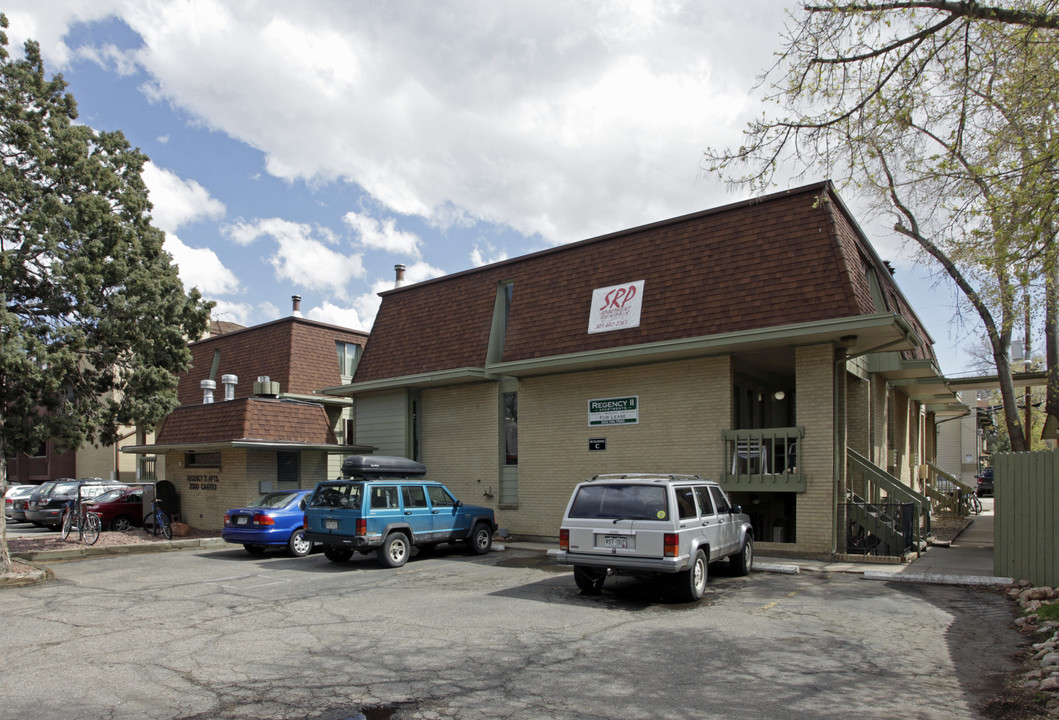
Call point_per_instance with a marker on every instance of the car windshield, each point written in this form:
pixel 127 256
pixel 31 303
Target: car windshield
pixel 614 501
pixel 110 495
pixel 273 500
pixel 64 488
pixel 337 495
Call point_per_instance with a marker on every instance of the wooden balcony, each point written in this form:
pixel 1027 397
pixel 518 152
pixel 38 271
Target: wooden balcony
pixel 764 460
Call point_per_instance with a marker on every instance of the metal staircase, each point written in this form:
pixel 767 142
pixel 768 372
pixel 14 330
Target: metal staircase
pixel 883 516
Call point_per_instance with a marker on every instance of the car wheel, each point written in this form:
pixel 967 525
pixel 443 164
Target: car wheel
pixel 298 546
pixel 692 582
pixel 589 580
pixel 481 539
pixel 254 549
pixel 122 523
pixel 743 560
pixel 394 550
pixel 337 554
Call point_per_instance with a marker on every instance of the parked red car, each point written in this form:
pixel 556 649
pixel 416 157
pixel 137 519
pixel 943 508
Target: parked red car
pixel 120 509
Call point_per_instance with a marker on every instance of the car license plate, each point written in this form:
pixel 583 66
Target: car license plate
pixel 616 541
pixel 241 520
pixel 330 524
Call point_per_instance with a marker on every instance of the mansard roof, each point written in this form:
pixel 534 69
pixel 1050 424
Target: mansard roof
pixel 794 259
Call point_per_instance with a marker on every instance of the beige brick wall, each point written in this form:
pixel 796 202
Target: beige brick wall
pixel 236 482
pixel 879 419
pixel 683 409
pixel 815 413
pixel 460 436
pixel 858 415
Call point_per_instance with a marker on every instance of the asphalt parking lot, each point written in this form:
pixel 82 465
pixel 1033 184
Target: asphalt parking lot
pixel 223 634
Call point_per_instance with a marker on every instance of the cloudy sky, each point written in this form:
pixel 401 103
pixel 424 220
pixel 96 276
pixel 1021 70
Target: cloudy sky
pixel 306 148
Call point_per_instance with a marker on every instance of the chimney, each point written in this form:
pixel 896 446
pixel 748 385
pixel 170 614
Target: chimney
pixel 296 300
pixel 208 386
pixel 399 269
pixel 229 382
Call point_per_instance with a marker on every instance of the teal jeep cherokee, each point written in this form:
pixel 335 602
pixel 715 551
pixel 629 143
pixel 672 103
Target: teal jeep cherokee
pixel 382 504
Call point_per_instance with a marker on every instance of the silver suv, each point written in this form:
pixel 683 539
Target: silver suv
pixel 652 524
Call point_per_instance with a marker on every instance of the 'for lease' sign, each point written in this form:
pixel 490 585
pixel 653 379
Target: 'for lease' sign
pixel 614 411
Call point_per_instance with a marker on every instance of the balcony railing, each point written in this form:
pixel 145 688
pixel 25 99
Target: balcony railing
pixel 764 459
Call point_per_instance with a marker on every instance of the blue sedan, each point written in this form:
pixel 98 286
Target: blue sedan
pixel 273 520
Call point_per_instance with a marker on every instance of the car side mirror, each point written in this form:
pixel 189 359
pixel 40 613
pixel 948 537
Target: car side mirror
pixel 459 503
pixel 736 510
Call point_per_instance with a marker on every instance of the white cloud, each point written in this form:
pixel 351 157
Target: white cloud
pixel 382 234
pixel 338 315
pixel 201 268
pixel 489 255
pixel 555 118
pixel 177 201
pixel 301 255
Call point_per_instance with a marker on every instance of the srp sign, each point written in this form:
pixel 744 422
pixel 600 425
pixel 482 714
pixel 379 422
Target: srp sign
pixel 616 307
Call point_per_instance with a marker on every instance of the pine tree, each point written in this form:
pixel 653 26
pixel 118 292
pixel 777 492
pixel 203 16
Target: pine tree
pixel 94 321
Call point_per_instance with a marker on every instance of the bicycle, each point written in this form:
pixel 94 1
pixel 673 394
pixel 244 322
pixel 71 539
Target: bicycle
pixel 975 504
pixel 157 521
pixel 88 523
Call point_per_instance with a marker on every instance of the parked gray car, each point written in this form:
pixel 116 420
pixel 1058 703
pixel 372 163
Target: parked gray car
pixel 15 500
pixel 665 526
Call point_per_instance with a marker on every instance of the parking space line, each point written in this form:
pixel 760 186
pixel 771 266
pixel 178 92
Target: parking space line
pixel 774 603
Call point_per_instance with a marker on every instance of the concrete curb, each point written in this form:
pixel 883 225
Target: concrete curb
pixel 937 579
pixel 76 553
pixel 39 575
pixel 777 568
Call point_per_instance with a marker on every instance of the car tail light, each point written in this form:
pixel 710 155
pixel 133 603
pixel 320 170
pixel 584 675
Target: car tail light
pixel 227 519
pixel 564 539
pixel 305 521
pixel 671 544
pixel 362 526
pixel 263 519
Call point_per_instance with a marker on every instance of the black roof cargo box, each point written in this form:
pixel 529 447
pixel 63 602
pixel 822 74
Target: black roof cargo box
pixel 377 466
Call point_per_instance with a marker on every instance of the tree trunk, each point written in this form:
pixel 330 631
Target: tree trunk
pixel 5 556
pixel 1011 410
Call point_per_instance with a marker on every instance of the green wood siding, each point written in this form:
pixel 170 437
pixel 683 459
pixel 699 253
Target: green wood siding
pixel 382 421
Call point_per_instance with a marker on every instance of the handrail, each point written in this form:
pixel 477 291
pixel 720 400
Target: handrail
pixel 877 481
pixel 935 471
pixel 892 486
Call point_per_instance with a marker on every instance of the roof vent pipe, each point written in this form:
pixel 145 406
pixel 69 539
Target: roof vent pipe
pixel 399 269
pixel 296 301
pixel 229 382
pixel 208 386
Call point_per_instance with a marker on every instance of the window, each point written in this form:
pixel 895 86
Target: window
pixel 686 503
pixel 511 428
pixel 348 355
pixel 414 496
pixel 384 497
pixel 720 500
pixel 288 470
pixel 705 505
pixel 440 498
pixel 628 502
pixel 202 459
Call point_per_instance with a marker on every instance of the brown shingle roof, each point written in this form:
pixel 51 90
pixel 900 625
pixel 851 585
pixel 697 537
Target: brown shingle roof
pixel 297 353
pixel 793 257
pixel 247 419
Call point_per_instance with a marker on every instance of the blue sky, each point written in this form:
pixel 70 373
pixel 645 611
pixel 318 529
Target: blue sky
pixel 306 148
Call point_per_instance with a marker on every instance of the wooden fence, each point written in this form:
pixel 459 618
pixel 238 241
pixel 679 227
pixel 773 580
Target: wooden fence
pixel 1026 530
